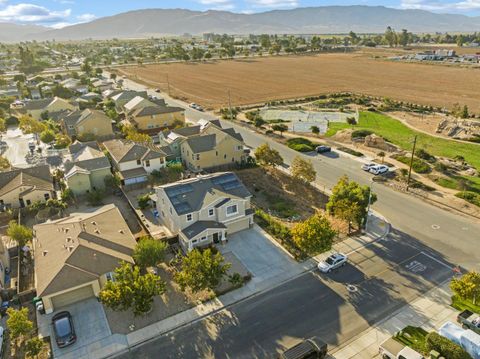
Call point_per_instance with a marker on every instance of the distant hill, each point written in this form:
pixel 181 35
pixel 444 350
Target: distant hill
pixel 326 19
pixel 14 33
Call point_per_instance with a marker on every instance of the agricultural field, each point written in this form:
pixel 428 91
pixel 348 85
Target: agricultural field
pixel 258 80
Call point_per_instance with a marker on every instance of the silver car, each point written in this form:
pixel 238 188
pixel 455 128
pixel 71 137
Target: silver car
pixel 334 261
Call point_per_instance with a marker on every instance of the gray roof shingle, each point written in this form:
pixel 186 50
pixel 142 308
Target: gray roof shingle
pixel 200 226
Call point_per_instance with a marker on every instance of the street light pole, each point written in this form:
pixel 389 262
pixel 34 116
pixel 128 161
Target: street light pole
pixel 369 203
pixel 411 161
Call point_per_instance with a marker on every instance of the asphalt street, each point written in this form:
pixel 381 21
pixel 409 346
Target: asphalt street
pixel 454 235
pixel 378 280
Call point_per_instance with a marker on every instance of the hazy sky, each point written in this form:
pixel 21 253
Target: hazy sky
pixel 58 13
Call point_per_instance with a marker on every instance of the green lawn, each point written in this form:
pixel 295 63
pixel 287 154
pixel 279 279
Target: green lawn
pixel 453 182
pixel 461 304
pixel 413 337
pixel 399 134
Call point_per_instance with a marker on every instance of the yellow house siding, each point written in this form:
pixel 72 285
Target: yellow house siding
pixel 79 183
pixel 159 121
pixel 97 178
pixel 97 127
pixel 47 300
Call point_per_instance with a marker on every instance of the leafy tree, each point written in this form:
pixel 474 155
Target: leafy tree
pixel 464 113
pixel 4 163
pixel 30 125
pixel 133 135
pixel 268 156
pixel 95 197
pixel 19 233
pixel 350 193
pixel 19 325
pixel 259 122
pixel 112 181
pixel 131 290
pixel 63 92
pixel 47 136
pixel 314 235
pixel 351 121
pixel 315 130
pixel 201 270
pixel 113 76
pixel 280 127
pixel 390 36
pixel 3 124
pixel 143 201
pixel 303 169
pixel 62 141
pixel 381 154
pixel 33 347
pixel 149 252
pixel 467 286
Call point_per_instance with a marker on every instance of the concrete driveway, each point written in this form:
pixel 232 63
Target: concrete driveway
pixel 263 259
pixel 90 324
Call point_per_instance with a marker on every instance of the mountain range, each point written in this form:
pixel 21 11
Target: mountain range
pixel 320 20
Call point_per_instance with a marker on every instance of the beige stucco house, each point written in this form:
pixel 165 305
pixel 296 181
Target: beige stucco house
pixel 205 209
pixel 76 255
pixel 25 186
pixel 213 147
pixel 87 169
pixel 134 161
pixel 87 122
pixel 35 108
pixel 151 118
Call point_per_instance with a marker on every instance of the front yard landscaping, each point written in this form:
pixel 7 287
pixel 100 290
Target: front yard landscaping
pixel 414 337
pixel 462 304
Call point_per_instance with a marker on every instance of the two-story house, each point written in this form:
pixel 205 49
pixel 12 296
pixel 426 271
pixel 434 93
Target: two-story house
pixel 35 108
pixel 213 147
pixel 205 209
pixel 87 169
pixel 25 186
pixel 75 256
pixel 88 122
pixel 150 119
pixel 134 161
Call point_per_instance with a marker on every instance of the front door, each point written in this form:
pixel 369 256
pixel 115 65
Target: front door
pixel 215 238
pixel 22 203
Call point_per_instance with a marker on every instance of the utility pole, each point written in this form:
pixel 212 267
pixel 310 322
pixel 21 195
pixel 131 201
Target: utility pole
pixel 411 161
pixel 230 105
pixel 168 85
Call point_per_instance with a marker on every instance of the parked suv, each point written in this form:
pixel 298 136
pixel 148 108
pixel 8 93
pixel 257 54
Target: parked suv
pixel 313 348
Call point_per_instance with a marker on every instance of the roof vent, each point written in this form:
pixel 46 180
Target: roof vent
pixel 94 223
pixel 70 248
pixel 97 231
pixel 69 239
pixel 121 231
pixel 45 252
pixel 66 230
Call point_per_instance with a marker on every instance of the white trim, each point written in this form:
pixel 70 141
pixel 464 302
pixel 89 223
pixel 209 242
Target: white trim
pixel 231 214
pixel 213 212
pixel 191 217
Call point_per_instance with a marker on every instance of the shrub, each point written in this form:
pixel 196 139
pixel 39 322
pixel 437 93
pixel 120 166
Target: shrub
pixel 143 201
pixel 301 144
pixel 301 147
pixel 361 133
pixel 441 167
pixel 469 196
pixel 424 155
pixel 445 347
pixel 418 165
pixel 350 151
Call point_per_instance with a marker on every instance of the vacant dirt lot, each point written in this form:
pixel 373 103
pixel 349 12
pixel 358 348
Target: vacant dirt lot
pixel 257 80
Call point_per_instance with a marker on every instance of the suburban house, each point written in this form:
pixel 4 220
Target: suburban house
pixel 205 209
pixel 122 98
pixel 35 108
pixel 102 84
pixel 24 186
pixel 205 146
pixel 76 255
pixel 136 103
pixel 134 161
pixel 151 118
pixel 87 122
pixel 87 169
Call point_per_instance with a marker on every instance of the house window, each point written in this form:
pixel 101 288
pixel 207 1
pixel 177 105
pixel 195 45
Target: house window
pixel 147 163
pixel 231 210
pixel 189 217
pixel 225 156
pixel 194 241
pixel 47 196
pixel 216 153
pixel 110 276
pixel 204 238
pixel 198 156
pixel 210 212
pixel 239 148
pixel 139 162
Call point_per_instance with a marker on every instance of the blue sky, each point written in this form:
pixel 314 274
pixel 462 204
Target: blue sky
pixel 58 13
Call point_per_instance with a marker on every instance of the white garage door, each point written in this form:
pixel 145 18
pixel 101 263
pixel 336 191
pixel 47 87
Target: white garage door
pixel 73 296
pixel 237 225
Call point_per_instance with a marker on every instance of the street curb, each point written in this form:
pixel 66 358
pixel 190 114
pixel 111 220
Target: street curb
pixel 203 316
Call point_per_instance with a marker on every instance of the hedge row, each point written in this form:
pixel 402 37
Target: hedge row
pixel 445 347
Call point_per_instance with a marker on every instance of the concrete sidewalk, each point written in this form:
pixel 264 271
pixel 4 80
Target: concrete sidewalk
pixel 118 344
pixel 428 312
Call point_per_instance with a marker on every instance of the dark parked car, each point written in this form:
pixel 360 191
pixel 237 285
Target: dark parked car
pixel 313 348
pixel 323 149
pixel 64 330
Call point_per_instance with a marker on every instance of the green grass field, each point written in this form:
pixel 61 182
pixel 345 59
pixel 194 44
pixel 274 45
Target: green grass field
pixel 399 134
pixel 462 304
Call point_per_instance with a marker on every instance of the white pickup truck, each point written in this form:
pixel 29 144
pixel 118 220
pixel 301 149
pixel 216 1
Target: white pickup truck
pixel 391 349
